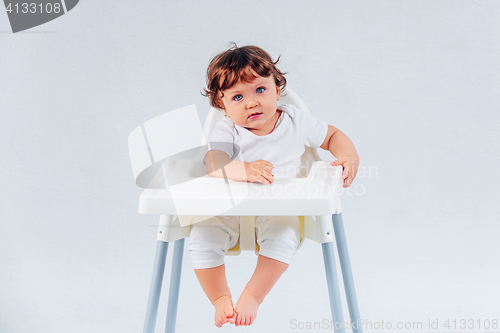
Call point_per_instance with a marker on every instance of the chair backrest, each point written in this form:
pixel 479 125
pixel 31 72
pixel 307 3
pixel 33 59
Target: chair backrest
pixel 171 134
pixel 289 97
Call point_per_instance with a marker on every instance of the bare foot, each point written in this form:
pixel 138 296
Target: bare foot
pixel 224 312
pixel 246 309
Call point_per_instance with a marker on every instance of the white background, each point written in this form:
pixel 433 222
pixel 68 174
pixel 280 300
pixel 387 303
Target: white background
pixel 414 84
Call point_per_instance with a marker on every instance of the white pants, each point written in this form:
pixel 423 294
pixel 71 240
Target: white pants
pixel 278 238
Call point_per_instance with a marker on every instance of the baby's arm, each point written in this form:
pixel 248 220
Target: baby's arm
pixel 220 165
pixel 343 149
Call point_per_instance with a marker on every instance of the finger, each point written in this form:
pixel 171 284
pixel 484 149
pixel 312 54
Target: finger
pixel 348 181
pixel 268 167
pixel 354 172
pixel 340 161
pixel 269 176
pixel 345 174
pixel 264 180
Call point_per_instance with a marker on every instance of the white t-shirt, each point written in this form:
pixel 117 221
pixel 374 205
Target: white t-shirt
pixel 283 147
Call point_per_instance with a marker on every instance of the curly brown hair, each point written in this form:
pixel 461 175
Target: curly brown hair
pixel 235 64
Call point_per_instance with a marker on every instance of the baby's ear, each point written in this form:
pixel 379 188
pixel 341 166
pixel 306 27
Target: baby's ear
pixel 220 103
pixel 278 93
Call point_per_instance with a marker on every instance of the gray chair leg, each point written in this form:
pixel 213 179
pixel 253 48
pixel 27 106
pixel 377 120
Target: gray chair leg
pixel 333 287
pixel 175 281
pixel 345 264
pixel 155 289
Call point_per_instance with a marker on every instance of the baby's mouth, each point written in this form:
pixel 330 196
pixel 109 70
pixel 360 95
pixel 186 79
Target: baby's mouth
pixel 254 115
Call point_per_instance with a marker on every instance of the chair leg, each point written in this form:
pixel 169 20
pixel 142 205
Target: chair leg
pixel 333 287
pixel 345 264
pixel 175 281
pixel 155 289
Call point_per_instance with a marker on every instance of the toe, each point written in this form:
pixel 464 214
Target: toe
pixel 229 313
pixel 219 321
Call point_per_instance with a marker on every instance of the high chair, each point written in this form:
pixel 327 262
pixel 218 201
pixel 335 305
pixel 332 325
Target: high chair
pixel 166 158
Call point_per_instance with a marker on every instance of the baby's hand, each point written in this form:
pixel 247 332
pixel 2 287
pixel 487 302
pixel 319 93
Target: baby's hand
pixel 259 172
pixel 350 165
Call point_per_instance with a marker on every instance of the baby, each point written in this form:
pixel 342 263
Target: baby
pixel 246 84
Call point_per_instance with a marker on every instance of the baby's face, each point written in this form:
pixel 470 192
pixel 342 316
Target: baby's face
pixel 253 104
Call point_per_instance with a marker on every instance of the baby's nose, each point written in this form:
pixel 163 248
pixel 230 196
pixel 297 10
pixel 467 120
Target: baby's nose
pixel 252 103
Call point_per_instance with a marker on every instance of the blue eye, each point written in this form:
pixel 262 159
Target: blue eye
pixel 238 98
pixel 260 90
